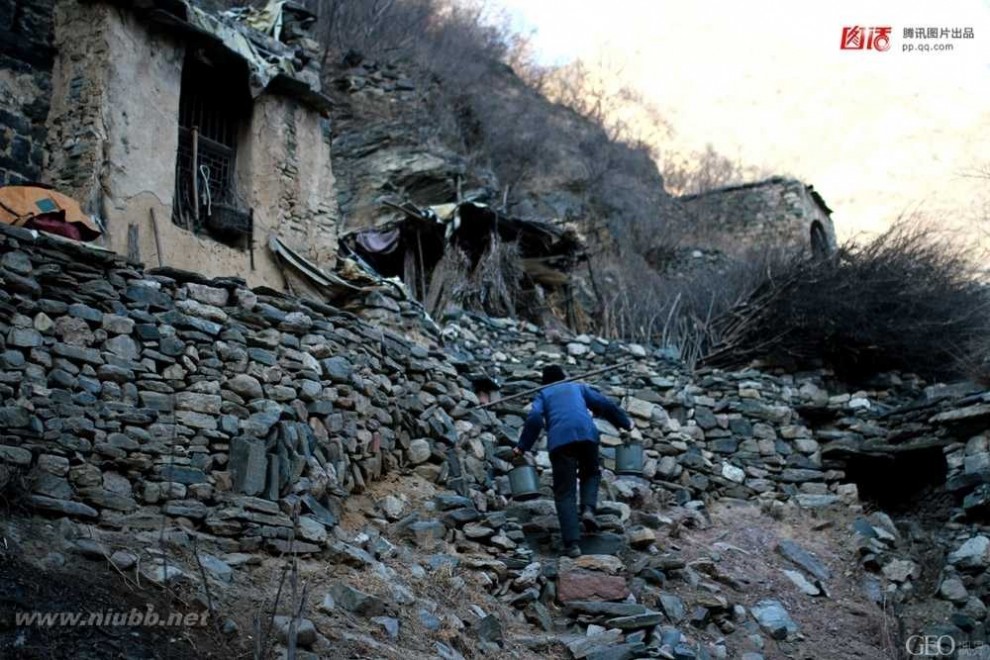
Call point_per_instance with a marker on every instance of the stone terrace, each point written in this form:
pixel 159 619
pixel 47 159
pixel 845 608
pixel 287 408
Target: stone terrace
pixel 136 400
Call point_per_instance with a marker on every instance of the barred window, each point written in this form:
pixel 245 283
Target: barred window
pixel 213 109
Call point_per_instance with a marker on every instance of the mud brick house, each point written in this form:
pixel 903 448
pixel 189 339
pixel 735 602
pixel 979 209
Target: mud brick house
pixel 160 117
pixel 771 212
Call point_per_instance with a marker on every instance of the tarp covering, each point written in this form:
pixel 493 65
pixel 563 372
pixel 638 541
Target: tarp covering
pixel 266 20
pixel 36 207
pixel 379 242
pixel 471 255
pixel 465 221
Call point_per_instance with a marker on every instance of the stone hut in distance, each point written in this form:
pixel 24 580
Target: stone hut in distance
pixel 108 101
pixel 775 211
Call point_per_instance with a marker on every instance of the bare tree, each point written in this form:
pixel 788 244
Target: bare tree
pixel 595 92
pixel 981 171
pixel 372 27
pixel 981 205
pixel 688 174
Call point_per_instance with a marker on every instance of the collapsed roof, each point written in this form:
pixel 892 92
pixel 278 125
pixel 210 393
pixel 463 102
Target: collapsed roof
pixel 271 42
pixel 472 243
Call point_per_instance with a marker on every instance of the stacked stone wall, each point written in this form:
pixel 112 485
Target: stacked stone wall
pixel 26 57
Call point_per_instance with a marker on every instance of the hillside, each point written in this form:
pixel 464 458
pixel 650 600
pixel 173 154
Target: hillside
pixel 294 439
pixel 400 135
pixel 192 446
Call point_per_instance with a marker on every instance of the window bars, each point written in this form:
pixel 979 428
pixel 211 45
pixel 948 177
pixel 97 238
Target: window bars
pixel 209 124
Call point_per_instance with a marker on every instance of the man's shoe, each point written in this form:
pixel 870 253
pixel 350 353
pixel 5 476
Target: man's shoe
pixel 572 550
pixel 589 521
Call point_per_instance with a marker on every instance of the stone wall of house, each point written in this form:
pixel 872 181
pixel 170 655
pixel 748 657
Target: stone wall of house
pixel 777 211
pixel 113 136
pixel 25 87
pixel 286 170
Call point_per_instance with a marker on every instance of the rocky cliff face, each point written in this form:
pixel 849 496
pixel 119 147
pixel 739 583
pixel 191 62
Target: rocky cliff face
pixel 193 434
pixel 400 137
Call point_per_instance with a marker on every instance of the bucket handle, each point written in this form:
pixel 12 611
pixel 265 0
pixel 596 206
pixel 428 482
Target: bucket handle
pixel 521 460
pixel 627 437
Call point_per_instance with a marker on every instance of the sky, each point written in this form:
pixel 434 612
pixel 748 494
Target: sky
pixel 878 133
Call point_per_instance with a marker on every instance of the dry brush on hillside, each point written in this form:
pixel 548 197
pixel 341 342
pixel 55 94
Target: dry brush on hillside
pixel 908 300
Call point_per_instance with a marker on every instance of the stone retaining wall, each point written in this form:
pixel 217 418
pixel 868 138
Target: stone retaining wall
pixel 126 395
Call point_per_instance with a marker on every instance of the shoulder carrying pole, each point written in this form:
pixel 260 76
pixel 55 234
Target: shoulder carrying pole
pixel 533 390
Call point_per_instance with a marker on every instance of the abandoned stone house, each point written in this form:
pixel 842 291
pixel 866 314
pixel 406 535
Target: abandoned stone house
pixel 111 102
pixel 775 211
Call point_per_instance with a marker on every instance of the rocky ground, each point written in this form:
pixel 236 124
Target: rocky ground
pixel 293 469
pixel 701 582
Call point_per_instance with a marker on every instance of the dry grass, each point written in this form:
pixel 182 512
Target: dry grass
pixel 447 275
pixel 889 631
pixel 491 286
pixel 908 300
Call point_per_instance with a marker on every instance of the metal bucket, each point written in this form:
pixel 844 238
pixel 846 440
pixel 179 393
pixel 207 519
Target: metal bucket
pixel 629 459
pixel 525 482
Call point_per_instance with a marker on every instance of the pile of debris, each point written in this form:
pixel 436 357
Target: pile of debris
pixel 470 256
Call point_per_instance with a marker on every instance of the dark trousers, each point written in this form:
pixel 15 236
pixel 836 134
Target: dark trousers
pixel 573 461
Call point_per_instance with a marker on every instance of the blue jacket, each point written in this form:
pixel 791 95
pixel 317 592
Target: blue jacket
pixel 563 408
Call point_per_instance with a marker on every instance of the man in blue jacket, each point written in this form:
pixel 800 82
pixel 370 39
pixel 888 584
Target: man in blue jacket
pixel 572 440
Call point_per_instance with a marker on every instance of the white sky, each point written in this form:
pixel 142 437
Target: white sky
pixel 877 133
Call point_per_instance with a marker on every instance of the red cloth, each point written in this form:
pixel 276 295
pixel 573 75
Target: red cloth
pixel 52 224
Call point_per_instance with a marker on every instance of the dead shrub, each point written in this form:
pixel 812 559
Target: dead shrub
pixel 663 298
pixel 702 171
pixel 492 285
pixel 906 300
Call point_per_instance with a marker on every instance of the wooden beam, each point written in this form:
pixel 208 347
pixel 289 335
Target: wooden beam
pixel 133 246
pixel 158 238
